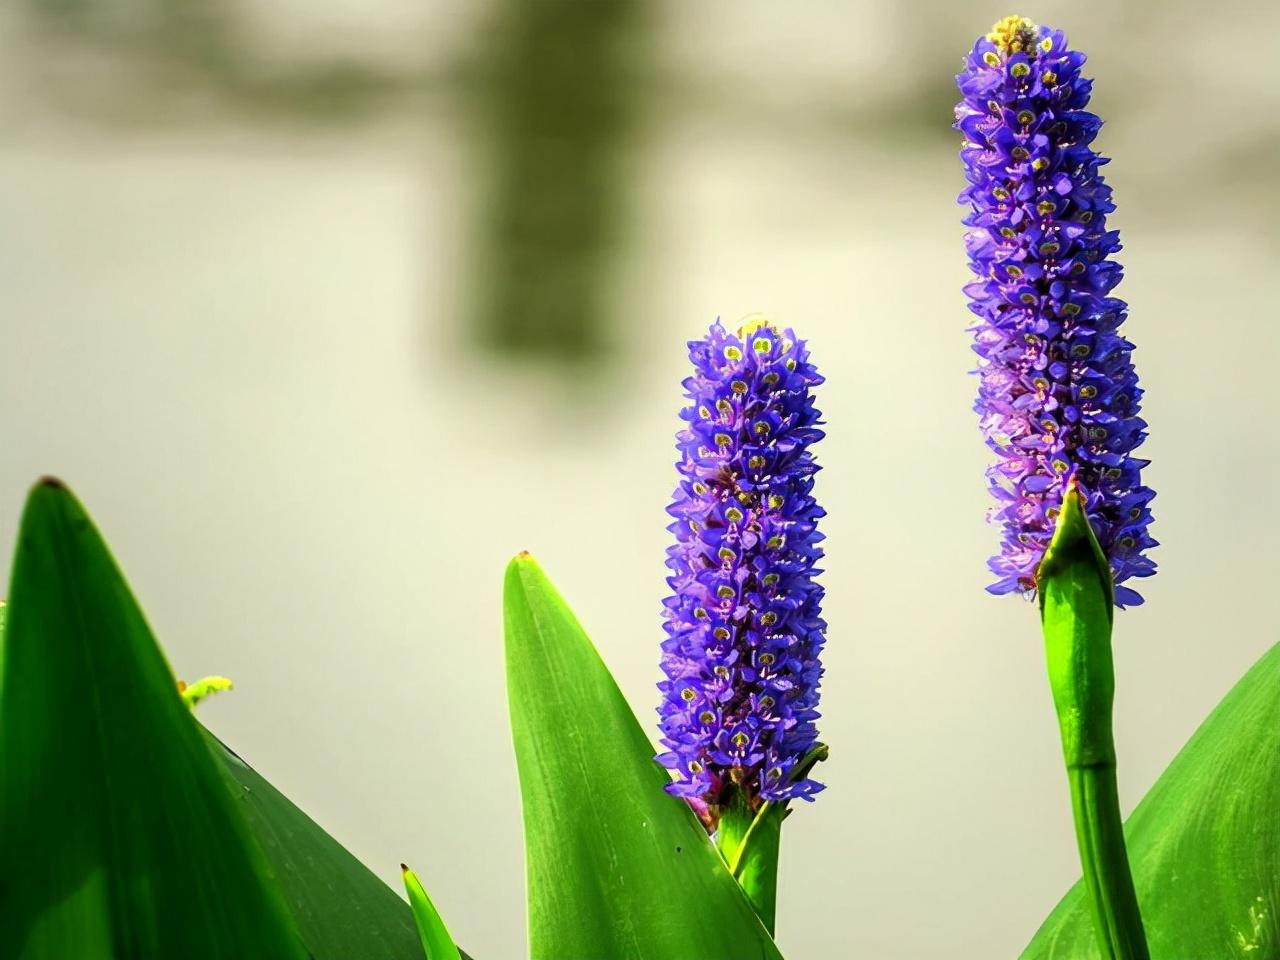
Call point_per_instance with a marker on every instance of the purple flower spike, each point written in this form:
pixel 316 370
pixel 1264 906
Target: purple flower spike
pixel 1058 397
pixel 743 627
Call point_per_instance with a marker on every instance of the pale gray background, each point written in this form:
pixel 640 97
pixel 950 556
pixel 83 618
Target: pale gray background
pixel 241 338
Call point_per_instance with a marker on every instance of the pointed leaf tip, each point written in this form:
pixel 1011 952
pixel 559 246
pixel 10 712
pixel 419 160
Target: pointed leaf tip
pixel 119 834
pixel 601 832
pixel 436 942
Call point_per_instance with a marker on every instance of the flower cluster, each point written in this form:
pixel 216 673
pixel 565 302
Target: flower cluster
pixel 743 622
pixel 1059 397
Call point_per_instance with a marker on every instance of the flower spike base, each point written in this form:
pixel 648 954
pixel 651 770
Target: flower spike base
pixel 1076 608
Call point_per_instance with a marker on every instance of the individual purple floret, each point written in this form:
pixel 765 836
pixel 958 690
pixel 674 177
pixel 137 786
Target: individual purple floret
pixel 743 625
pixel 1058 396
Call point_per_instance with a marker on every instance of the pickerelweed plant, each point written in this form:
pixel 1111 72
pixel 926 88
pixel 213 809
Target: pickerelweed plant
pixel 130 832
pixel 743 623
pixel 1058 401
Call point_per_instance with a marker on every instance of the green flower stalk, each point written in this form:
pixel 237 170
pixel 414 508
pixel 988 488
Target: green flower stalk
pixel 1076 608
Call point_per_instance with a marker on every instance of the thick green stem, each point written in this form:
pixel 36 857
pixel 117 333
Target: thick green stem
pixel 1076 607
pixel 1100 835
pixel 755 864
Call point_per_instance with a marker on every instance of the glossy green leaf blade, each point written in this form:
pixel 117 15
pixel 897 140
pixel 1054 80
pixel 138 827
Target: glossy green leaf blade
pixel 117 835
pixel 1204 843
pixel 616 867
pixel 436 942
pixel 341 908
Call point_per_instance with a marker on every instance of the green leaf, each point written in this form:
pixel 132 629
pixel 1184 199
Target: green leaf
pixel 616 867
pixel 1204 843
pixel 436 941
pixel 119 838
pixel 341 908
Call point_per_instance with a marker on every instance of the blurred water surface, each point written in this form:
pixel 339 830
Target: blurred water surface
pixel 272 299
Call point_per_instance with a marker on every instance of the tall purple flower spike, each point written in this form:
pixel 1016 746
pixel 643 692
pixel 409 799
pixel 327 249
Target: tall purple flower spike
pixel 743 626
pixel 1058 395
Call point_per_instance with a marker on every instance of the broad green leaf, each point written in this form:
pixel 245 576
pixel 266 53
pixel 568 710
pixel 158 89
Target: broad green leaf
pixel 436 942
pixel 342 910
pixel 118 838
pixel 616 867
pixel 1204 843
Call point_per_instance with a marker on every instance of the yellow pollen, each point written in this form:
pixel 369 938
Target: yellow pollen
pixel 1014 35
pixel 1049 78
pixel 755 322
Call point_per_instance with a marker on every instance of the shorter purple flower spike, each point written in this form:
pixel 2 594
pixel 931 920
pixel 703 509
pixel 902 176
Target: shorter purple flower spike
pixel 1058 396
pixel 743 626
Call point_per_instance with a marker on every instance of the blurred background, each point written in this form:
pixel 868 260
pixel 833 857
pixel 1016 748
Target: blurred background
pixel 328 308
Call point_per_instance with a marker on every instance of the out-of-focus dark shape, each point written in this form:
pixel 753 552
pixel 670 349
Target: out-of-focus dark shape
pixel 559 101
pixel 205 40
